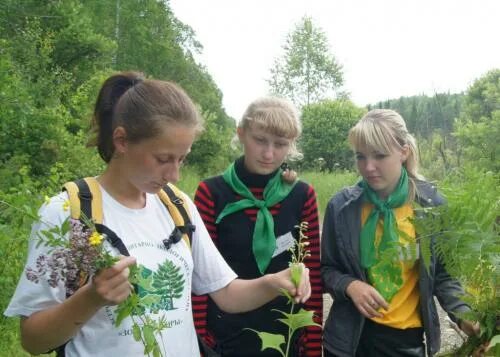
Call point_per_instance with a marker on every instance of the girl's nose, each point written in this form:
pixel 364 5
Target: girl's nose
pixel 370 165
pixel 173 173
pixel 268 152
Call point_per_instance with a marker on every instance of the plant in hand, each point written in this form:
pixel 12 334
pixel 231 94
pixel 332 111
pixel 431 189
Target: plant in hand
pixel 294 320
pixel 77 252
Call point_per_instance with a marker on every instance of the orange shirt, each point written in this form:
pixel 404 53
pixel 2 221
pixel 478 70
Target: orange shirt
pixel 403 309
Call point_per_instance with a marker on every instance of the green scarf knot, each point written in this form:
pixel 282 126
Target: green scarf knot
pixel 264 240
pixel 260 204
pixel 382 262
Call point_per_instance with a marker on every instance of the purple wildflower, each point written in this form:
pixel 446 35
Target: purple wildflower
pixel 68 264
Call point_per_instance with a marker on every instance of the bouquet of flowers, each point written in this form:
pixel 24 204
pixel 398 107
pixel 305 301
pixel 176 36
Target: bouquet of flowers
pixel 76 253
pixel 71 261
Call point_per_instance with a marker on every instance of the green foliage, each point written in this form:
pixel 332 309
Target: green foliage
pixel 468 242
pixel 479 141
pixel 212 152
pixel 425 115
pixel 483 97
pixel 325 128
pixel 438 156
pixel 151 39
pixel 14 228
pixel 306 72
pixel 53 58
pixel 478 127
pixel 190 178
pixel 18 209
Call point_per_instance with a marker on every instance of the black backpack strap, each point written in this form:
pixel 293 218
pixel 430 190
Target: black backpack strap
pixel 113 239
pixel 86 208
pixel 188 228
pixel 85 198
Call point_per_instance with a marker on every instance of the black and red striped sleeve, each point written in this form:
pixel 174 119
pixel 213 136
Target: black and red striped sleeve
pixel 205 205
pixel 313 339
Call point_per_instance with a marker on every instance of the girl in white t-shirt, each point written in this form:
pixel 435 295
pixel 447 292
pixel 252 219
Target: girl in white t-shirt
pixel 144 130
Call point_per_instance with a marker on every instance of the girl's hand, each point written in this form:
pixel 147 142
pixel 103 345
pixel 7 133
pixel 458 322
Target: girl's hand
pixel 111 286
pixel 366 299
pixel 470 328
pixel 283 280
pixel 481 350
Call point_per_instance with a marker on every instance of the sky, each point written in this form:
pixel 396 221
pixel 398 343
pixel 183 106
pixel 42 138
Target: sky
pixel 388 48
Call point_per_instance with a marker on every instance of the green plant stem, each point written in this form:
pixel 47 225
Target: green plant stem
pixel 34 217
pixel 288 342
pixel 162 342
pixel 134 322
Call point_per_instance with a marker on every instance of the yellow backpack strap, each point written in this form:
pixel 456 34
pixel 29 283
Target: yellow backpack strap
pixel 85 196
pixel 74 201
pixel 179 210
pixel 96 198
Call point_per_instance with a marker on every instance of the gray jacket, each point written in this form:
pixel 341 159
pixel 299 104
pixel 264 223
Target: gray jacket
pixel 340 265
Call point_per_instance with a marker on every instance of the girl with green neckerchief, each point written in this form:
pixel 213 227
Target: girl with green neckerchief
pixel 250 212
pixel 383 296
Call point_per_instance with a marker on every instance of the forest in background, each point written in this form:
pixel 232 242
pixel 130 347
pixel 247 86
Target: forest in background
pixel 54 55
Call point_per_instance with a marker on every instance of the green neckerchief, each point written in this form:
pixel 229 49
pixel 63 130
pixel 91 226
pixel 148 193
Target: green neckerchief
pixel 264 240
pixel 384 269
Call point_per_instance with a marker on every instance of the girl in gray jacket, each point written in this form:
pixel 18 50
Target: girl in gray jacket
pixel 383 294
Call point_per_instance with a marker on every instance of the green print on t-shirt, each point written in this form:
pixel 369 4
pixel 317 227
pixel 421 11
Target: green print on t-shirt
pixel 157 290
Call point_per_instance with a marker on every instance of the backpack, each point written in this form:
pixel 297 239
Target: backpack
pixel 85 197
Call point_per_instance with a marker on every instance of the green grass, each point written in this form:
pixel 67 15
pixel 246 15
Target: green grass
pixel 327 184
pixel 189 181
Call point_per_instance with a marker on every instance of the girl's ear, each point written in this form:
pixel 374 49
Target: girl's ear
pixel 120 139
pixel 240 131
pixel 405 153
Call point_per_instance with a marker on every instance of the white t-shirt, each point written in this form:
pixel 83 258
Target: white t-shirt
pixel 201 268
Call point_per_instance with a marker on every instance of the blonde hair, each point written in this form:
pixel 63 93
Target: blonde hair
pixel 277 116
pixel 381 130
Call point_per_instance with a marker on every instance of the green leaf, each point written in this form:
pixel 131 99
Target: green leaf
pixel 136 332
pixel 150 300
pixel 149 337
pixel 270 340
pixel 121 313
pixel 495 341
pixel 65 227
pixel 287 294
pixel 156 351
pixel 125 308
pixel 298 320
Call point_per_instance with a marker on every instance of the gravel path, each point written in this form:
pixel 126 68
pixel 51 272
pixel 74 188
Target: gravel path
pixel 449 336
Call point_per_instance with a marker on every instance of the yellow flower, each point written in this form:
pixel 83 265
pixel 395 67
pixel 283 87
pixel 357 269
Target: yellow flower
pixel 66 205
pixel 95 238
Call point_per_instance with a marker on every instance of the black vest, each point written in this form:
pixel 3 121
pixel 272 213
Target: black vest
pixel 234 241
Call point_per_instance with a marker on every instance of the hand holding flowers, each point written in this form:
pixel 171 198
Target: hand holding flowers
pixel 111 286
pixel 78 258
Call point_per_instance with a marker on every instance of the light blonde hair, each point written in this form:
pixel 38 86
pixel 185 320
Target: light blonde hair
pixel 277 116
pixel 382 130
